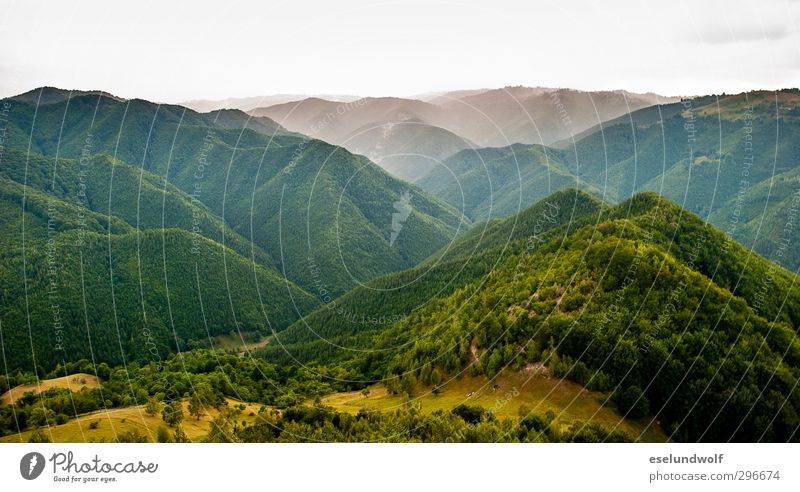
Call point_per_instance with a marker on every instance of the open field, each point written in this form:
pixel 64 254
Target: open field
pixel 73 382
pixel 114 421
pixel 568 400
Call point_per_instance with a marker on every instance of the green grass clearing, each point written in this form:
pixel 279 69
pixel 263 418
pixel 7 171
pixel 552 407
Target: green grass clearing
pixel 73 382
pixel 115 421
pixel 570 401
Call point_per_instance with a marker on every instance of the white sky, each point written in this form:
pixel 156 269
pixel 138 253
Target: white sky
pixel 175 51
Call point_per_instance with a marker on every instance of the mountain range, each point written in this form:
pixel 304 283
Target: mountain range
pixel 253 102
pixel 732 159
pixel 409 137
pixel 637 246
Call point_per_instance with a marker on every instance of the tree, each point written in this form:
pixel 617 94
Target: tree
pixel 162 435
pixel 495 363
pixel 392 385
pixel 436 378
pixel 38 436
pixel 172 413
pixel 196 406
pixel 632 402
pixel 42 416
pixel 408 383
pixel 365 392
pixel 222 428
pixel 180 435
pixel 152 406
pixel 471 414
pixel 132 435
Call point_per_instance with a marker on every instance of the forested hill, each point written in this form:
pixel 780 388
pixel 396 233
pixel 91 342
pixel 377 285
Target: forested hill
pixel 497 182
pixel 646 300
pixel 122 269
pixel 323 214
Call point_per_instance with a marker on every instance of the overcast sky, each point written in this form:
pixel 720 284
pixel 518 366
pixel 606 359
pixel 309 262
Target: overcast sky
pixel 175 51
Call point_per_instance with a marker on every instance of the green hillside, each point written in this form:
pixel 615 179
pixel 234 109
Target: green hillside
pixel 72 290
pixel 764 218
pixel 498 182
pixel 127 193
pixel 341 329
pixel 329 220
pixel 235 119
pixel 323 214
pixel 639 304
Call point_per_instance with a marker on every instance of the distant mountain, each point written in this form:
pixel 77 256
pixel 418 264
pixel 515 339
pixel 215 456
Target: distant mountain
pixel 444 97
pixel 537 115
pixel 395 133
pixel 451 121
pixel 334 121
pixel 253 102
pixel 49 95
pixel 498 182
pixel 407 149
pixel 235 119
pixel 732 159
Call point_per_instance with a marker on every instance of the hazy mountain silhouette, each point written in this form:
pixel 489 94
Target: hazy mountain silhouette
pixel 452 121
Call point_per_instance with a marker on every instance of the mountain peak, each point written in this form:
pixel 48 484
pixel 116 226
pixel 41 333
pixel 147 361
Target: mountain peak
pixel 50 95
pixel 647 201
